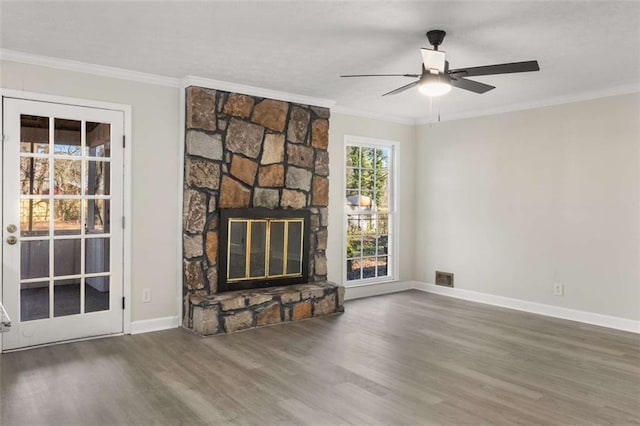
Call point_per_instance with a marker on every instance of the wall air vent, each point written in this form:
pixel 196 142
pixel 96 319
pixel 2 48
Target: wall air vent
pixel 444 278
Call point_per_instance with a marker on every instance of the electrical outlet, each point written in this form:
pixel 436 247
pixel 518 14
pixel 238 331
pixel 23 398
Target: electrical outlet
pixel 558 289
pixel 146 295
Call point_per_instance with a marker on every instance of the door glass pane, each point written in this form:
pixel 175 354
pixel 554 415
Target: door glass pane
pixel 67 176
pixel 98 139
pixel 276 248
pixel 66 257
pixel 34 175
pixel 34 259
pixel 294 248
pixel 96 255
pixel 98 174
pixel 257 268
pixel 67 217
pixel 97 216
pixel 66 297
pixel 34 134
pixel 237 250
pixel 34 218
pixel 96 294
pixel 34 301
pixel 67 137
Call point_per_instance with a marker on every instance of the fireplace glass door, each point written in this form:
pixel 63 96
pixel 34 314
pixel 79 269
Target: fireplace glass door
pixel 264 248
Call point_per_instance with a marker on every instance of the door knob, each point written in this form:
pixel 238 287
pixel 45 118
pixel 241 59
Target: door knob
pixel 12 228
pixel 11 240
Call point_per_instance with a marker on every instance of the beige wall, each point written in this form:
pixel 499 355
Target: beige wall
pixel 342 125
pixel 155 124
pixel 512 203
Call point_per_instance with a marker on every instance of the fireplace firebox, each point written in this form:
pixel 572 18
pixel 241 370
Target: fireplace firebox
pixel 263 248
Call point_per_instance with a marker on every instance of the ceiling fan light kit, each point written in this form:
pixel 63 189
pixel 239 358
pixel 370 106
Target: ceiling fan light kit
pixel 434 84
pixel 437 79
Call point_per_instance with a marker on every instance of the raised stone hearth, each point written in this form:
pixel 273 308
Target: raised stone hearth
pixel 240 310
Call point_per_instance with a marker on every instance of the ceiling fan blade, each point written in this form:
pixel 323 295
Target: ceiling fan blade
pixel 498 69
pixel 382 75
pixel 402 89
pixel 472 86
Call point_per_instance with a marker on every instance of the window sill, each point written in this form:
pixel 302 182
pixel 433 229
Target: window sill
pixel 365 283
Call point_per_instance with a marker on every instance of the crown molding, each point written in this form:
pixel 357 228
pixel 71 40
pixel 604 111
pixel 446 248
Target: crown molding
pixel 256 91
pixel 338 109
pixel 83 67
pixel 558 100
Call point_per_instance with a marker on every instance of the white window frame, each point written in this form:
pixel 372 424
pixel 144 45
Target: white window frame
pixel 394 236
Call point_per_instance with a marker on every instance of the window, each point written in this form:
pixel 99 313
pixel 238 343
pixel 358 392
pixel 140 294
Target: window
pixel 369 210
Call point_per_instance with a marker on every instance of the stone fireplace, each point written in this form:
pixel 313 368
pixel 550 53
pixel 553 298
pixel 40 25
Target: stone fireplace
pixel 255 212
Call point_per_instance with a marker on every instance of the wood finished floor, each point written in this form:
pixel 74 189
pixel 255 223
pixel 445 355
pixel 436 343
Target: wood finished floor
pixel 409 358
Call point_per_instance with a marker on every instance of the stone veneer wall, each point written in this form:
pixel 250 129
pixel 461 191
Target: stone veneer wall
pixel 243 151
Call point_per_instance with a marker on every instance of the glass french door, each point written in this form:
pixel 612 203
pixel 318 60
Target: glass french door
pixel 62 230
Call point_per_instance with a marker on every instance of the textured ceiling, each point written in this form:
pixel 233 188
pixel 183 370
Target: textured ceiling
pixel 302 47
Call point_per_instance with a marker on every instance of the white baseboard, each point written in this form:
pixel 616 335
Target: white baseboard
pixel 533 307
pixel 154 324
pixel 366 290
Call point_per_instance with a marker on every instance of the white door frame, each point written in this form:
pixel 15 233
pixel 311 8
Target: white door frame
pixel 126 110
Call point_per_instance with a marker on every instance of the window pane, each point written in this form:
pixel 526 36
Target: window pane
pixel 368 158
pixel 257 267
pixel 368 267
pixel 98 139
pixel 353 156
pixel 34 134
pixel 66 297
pixel 34 218
pixel 96 294
pixel 383 224
pixel 294 249
pixel 276 248
pixel 34 259
pixel 383 244
pixel 354 247
pixel 237 250
pixel 34 176
pixel 66 257
pixel 382 158
pixel 354 224
pixel 67 177
pixel 354 271
pixel 34 301
pixel 368 245
pixel 382 270
pixel 66 217
pixel 352 178
pixel 97 255
pixel 67 137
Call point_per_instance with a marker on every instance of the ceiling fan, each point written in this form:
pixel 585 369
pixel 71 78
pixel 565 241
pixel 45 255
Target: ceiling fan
pixel 437 79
